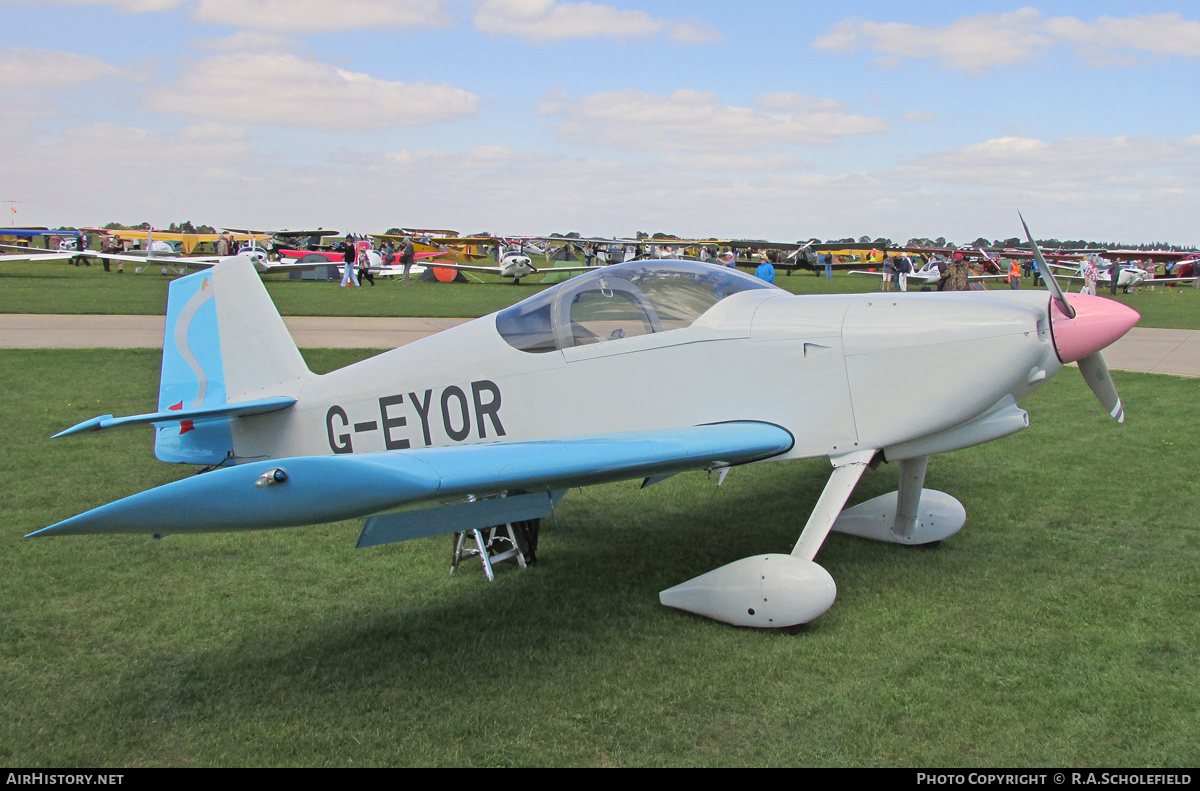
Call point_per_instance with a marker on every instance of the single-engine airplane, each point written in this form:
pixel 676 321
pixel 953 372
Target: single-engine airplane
pixel 928 275
pixel 1128 275
pixel 515 264
pixel 463 421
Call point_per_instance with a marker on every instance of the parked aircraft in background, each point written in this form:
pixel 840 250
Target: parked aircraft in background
pixel 514 265
pixel 187 241
pixel 1128 276
pixel 928 275
pixel 283 235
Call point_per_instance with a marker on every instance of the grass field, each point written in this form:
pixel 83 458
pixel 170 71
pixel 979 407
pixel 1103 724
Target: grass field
pixel 1060 627
pixel 62 288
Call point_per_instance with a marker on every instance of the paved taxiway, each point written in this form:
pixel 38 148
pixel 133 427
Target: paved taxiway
pixel 1175 352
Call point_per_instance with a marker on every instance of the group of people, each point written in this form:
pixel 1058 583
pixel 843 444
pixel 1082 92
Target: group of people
pixel 896 269
pixel 225 245
pixel 357 264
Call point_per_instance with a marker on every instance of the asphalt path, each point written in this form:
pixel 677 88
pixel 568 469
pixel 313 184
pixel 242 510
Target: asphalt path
pixel 1175 352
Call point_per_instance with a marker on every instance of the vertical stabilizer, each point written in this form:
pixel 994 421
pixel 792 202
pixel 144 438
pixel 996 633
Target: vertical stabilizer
pixel 224 343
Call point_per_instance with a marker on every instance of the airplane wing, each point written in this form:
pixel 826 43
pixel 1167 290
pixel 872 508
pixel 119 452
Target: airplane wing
pixel 548 270
pixel 316 489
pixel 50 256
pixel 64 255
pixel 268 267
pixel 1155 281
pixel 495 270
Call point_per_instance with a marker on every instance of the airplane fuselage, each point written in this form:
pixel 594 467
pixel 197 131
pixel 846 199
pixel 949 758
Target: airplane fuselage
pixel 829 369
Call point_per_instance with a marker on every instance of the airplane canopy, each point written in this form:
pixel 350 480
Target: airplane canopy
pixel 620 301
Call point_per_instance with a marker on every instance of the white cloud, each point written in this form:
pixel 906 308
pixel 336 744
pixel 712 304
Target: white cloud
pixel 697 121
pixel 734 163
pixel 284 90
pixel 1108 189
pixel 970 44
pixel 39 69
pixel 247 41
pixel 541 21
pixel 1108 38
pixel 977 43
pixel 1074 164
pixel 135 6
pixel 314 16
pixel 694 33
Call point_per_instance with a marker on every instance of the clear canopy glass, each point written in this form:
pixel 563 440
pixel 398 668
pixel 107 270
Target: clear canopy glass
pixel 620 301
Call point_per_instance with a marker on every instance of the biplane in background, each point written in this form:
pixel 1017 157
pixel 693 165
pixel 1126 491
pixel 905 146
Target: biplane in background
pixel 284 238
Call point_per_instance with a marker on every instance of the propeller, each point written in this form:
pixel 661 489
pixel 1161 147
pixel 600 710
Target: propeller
pixel 1095 373
pixel 1047 275
pixel 1081 330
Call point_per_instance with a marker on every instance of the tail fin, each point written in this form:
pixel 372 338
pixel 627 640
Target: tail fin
pixel 225 343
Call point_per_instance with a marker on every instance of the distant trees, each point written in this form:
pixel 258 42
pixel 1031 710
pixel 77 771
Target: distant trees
pixel 187 227
pixel 175 227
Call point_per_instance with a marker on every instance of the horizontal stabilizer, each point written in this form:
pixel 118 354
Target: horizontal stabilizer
pixel 458 517
pixel 258 406
pixel 310 490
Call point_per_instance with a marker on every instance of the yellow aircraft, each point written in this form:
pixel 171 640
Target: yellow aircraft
pixel 188 241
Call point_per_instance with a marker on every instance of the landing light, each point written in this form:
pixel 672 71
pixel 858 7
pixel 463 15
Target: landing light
pixel 271 477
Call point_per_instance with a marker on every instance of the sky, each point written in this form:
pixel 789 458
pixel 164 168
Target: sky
pixel 779 120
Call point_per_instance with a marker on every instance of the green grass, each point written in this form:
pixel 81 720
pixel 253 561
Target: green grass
pixel 62 288
pixel 1059 627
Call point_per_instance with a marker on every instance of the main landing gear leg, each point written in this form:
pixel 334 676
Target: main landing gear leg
pixel 776 590
pixel 909 515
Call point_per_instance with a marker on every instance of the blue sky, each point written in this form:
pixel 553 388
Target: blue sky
pixel 776 120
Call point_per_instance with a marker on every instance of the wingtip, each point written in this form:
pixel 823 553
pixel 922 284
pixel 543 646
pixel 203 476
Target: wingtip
pixel 87 425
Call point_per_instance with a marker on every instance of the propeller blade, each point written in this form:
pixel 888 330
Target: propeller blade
pixel 1055 291
pixel 1095 373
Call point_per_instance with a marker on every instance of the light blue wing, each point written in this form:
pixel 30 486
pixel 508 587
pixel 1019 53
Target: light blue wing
pixel 315 489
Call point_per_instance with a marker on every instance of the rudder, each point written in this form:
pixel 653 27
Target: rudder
pixel 224 342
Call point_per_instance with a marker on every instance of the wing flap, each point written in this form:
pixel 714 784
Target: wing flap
pixel 315 489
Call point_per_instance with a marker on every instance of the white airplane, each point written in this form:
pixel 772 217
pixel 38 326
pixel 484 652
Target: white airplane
pixel 515 264
pixel 166 257
pixel 927 275
pixel 463 422
pixel 1128 276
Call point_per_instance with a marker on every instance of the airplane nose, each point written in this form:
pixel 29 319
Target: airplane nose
pixel 1098 323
